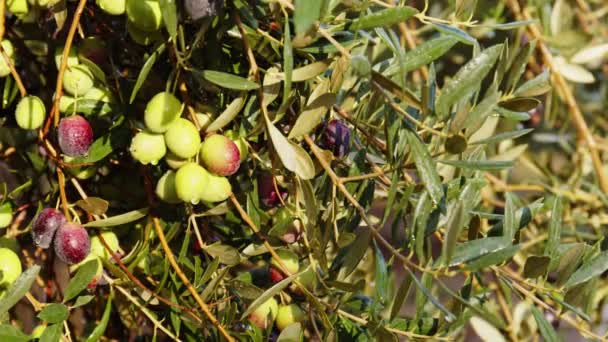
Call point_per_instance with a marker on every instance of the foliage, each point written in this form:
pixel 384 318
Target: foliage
pixel 468 195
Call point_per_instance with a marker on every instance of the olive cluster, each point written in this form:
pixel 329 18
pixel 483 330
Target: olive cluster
pixel 178 141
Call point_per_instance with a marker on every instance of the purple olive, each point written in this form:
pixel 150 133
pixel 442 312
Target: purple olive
pixel 267 192
pixel 45 225
pixel 72 243
pixel 75 136
pixel 336 138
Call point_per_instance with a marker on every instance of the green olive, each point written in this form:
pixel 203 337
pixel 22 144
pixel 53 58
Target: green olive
pixel 218 189
pixel 165 188
pixel 145 14
pixel 190 182
pixel 183 139
pixel 77 80
pixel 162 111
pixel 5 70
pixel 148 148
pixel 10 267
pixel 6 214
pixel 30 112
pixel 112 7
pixel 142 37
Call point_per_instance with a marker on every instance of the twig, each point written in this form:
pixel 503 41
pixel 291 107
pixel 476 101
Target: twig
pixel 189 286
pixel 54 115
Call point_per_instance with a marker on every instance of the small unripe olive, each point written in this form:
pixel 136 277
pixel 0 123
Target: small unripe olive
pixel 99 250
pixel 142 37
pixel 218 189
pixel 148 148
pixel 112 7
pixel 39 329
pixel 289 259
pixel 30 112
pixel 6 214
pixel 80 172
pixel 72 57
pixel 98 94
pixel 289 314
pixel 77 80
pixel 5 70
pixel 165 188
pixel 17 7
pixel 174 161
pixel 64 103
pixel 265 314
pixel 183 139
pixel 145 14
pixel 190 182
pixel 162 111
pixel 220 155
pixel 10 267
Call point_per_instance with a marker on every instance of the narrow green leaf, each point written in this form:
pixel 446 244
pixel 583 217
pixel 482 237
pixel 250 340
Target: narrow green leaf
pixel 291 333
pixel 233 109
pixel 93 205
pixel 546 329
pixel 100 149
pixel 18 289
pixel 555 228
pixel 9 333
pixel 449 316
pixel 482 165
pixel 513 115
pixel 423 54
pixel 493 258
pixel 381 284
pixel 534 87
pixel 536 266
pixel 520 104
pixel 227 254
pixel 509 222
pixel 425 166
pixel 568 262
pixel 383 18
pixel 119 219
pixel 81 279
pixel 226 80
pixel 511 25
pixel 591 269
pixel 101 326
pixel 352 255
pixel 400 297
pixel 305 14
pixel 455 32
pixel 52 333
pixel 82 300
pixel 288 59
pixel 475 249
pixel 502 136
pixel 92 107
pixel 54 313
pixel 454 227
pixel 466 80
pixel 293 157
pixel 145 70
pixel 169 14
pixel 271 292
pixel 519 64
pixel 312 115
pixel 482 110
